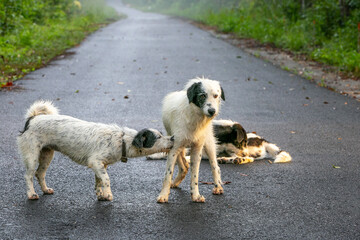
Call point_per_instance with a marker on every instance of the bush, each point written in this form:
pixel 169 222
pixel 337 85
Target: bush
pixel 35 31
pixel 326 30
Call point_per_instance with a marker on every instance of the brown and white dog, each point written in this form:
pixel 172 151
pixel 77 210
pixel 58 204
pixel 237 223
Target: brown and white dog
pixel 94 145
pixel 236 146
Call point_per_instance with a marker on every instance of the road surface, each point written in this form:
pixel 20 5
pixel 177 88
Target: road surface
pixel 120 74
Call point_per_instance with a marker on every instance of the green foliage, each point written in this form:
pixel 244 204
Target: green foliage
pixel 35 31
pixel 326 30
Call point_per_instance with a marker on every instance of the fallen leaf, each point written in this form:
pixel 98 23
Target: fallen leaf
pixel 238 57
pixel 292 132
pixel 211 183
pixel 126 96
pixel 335 166
pixel 208 183
pixel 326 102
pixel 77 91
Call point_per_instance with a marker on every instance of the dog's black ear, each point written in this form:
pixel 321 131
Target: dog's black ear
pixel 193 91
pixel 241 137
pixel 144 139
pixel 222 94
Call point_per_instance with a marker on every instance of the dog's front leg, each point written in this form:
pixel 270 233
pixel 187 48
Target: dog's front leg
pixel 170 163
pixel 210 150
pixel 98 186
pixel 235 160
pixel 195 159
pixel 102 182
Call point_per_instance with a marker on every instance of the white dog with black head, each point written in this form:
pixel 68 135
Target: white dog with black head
pixel 187 115
pixel 94 145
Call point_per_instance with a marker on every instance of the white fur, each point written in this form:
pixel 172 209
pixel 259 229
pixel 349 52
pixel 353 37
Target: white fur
pixel 191 126
pixel 94 145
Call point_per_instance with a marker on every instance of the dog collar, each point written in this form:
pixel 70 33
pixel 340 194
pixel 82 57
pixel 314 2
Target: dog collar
pixel 123 152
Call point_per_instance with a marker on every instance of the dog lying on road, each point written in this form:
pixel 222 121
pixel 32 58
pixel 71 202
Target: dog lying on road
pixel 91 144
pixel 235 146
pixel 187 115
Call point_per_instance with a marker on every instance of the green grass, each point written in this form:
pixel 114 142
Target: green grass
pixel 32 44
pixel 320 32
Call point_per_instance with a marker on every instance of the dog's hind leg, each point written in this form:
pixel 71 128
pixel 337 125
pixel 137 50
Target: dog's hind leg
pixel 183 166
pixel 102 181
pixel 30 161
pixel 210 150
pixel 46 155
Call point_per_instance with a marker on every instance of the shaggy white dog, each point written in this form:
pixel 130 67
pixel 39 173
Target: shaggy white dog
pixel 187 115
pixel 94 145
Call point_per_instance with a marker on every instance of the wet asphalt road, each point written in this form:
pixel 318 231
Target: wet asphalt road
pixel 120 75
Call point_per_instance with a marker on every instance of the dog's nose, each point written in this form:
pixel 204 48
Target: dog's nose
pixel 172 138
pixel 211 111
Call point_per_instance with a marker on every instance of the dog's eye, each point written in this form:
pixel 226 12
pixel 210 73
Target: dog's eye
pixel 202 97
pixel 215 95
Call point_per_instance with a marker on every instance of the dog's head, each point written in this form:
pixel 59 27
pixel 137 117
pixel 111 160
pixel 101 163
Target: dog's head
pixel 205 94
pixel 149 141
pixel 233 134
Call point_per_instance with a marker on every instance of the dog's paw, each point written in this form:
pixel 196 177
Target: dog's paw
pixel 283 157
pixel 222 160
pixel 48 191
pixel 33 197
pixel 107 197
pixel 243 160
pixel 174 185
pixel 198 199
pixel 218 190
pixel 162 199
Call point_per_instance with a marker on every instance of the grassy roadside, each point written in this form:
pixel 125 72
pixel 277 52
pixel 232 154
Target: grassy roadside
pixel 34 32
pixel 323 30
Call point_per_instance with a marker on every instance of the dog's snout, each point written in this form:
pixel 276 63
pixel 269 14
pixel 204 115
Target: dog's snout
pixel 172 138
pixel 211 111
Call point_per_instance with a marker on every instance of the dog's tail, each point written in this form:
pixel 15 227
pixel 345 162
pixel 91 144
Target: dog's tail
pixel 41 108
pixel 275 152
